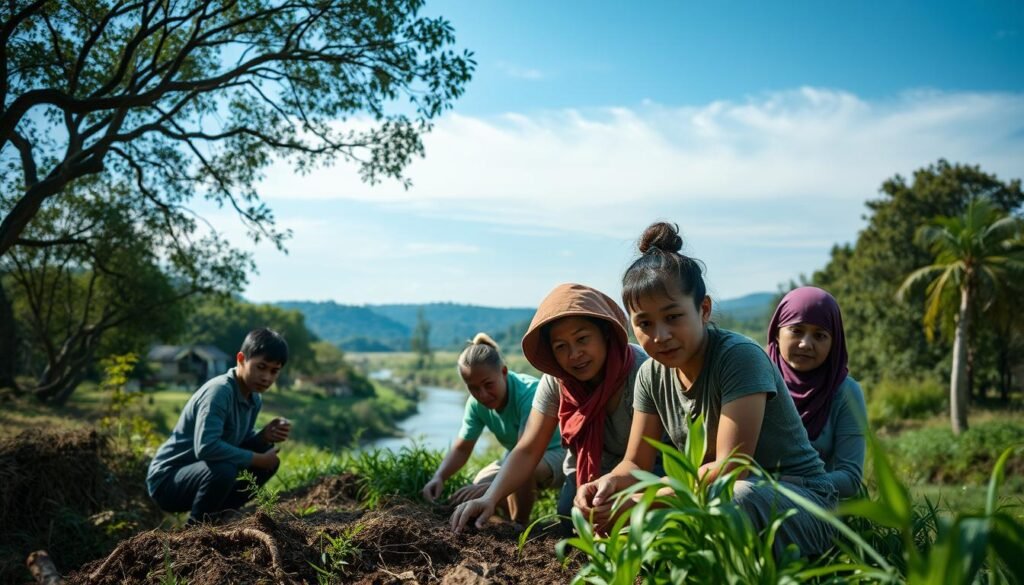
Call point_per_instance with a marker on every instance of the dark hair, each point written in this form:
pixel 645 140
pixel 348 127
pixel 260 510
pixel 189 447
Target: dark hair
pixel 661 267
pixel 545 330
pixel 265 343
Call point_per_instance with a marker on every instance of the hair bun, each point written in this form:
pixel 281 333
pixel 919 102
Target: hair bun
pixel 484 339
pixel 661 236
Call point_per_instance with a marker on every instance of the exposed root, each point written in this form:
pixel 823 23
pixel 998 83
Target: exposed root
pixel 234 534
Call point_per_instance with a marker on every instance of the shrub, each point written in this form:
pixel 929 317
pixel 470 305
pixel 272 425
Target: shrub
pixel 890 402
pixel 936 455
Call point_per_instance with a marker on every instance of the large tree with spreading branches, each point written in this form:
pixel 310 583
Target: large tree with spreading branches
pixel 187 99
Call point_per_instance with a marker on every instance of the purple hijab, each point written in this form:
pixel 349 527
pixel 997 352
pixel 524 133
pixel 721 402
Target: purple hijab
pixel 811 391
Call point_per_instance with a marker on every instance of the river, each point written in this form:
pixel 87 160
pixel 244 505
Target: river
pixel 434 425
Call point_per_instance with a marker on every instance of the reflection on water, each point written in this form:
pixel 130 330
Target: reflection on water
pixel 436 423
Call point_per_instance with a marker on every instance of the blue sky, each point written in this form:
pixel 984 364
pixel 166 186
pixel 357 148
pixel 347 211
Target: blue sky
pixel 761 128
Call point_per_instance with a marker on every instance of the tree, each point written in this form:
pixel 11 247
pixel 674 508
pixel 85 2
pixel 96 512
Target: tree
pixel 976 257
pixel 196 97
pixel 114 287
pixel 420 340
pixel 885 338
pixel 224 322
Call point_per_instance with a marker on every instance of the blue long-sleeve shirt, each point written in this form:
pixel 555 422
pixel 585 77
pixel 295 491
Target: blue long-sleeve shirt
pixel 215 421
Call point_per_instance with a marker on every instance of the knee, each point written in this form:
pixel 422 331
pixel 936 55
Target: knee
pixel 222 472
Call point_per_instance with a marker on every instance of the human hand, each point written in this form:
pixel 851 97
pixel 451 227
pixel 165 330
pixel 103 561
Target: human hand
pixel 433 489
pixel 276 430
pixel 469 492
pixel 594 499
pixel 481 509
pixel 268 460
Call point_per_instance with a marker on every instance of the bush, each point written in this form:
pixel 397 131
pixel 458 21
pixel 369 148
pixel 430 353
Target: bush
pixel 892 401
pixel 935 455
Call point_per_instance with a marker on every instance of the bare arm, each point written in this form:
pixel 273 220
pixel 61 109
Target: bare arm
pixel 517 469
pixel 595 498
pixel 456 458
pixel 739 428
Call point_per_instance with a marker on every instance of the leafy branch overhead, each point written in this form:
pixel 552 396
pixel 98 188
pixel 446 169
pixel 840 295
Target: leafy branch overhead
pixel 197 97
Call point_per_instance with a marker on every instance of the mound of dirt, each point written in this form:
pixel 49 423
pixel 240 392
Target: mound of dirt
pixel 68 492
pixel 399 543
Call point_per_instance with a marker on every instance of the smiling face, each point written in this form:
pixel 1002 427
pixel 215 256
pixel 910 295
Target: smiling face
pixel 487 384
pixel 580 348
pixel 804 346
pixel 671 328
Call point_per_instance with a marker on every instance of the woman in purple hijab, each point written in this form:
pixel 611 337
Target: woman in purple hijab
pixel 807 343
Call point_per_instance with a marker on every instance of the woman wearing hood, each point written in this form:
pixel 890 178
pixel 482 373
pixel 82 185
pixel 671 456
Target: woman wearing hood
pixel 578 340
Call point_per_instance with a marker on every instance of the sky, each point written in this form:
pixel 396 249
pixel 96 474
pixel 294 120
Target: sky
pixel 760 128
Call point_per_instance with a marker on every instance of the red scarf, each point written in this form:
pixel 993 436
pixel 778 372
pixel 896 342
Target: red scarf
pixel 581 411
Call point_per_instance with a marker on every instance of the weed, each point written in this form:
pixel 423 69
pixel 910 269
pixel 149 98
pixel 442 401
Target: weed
pixel 336 554
pixel 264 497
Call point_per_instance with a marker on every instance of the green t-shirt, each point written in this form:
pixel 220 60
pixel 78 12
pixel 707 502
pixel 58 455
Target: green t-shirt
pixel 508 424
pixel 734 367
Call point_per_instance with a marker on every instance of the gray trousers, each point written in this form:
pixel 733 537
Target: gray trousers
pixel 761 502
pixel 206 488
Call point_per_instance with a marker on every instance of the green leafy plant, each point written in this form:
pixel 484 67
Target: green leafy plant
pixel 683 529
pixel 336 554
pixel 263 496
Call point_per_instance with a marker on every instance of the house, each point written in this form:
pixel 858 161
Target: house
pixel 188 365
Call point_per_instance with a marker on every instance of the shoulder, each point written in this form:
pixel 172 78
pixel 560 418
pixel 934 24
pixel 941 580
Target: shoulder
pixel 851 394
pixel 219 388
pixel 523 380
pixel 547 385
pixel 732 346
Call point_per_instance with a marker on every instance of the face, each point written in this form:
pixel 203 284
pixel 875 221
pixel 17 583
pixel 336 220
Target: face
pixel 804 346
pixel 580 348
pixel 670 328
pixel 256 373
pixel 487 384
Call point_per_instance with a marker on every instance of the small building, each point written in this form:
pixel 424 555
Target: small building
pixel 188 365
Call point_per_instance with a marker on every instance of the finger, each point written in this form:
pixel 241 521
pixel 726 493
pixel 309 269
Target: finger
pixel 482 519
pixel 458 519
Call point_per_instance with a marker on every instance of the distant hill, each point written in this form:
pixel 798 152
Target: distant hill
pixel 354 328
pixel 388 327
pixel 451 324
pixel 752 306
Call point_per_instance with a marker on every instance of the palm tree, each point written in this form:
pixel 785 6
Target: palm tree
pixel 977 255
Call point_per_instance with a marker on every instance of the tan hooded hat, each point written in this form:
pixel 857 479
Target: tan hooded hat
pixel 569 300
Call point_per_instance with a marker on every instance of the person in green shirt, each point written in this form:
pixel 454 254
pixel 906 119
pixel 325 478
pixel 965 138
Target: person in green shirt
pixel 500 402
pixel 698 369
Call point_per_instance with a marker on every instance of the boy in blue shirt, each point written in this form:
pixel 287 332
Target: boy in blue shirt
pixel 196 469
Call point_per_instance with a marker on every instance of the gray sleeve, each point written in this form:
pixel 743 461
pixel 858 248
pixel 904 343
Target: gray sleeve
pixel 211 412
pixel 547 397
pixel 745 370
pixel 643 395
pixel 849 413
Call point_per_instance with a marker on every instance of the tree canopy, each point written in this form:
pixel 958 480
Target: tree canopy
pixel 885 338
pixel 140 108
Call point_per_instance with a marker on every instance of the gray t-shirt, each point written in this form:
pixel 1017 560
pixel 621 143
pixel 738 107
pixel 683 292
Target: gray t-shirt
pixel 616 424
pixel 841 443
pixel 734 367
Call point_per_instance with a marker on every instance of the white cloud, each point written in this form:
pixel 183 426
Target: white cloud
pixel 760 187
pixel 592 169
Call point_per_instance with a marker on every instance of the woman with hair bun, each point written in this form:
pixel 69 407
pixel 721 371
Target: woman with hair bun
pixel 499 401
pixel 699 369
pixel 578 339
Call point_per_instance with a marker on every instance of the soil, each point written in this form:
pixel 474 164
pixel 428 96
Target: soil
pixel 400 543
pixel 67 492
